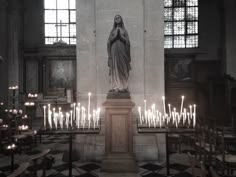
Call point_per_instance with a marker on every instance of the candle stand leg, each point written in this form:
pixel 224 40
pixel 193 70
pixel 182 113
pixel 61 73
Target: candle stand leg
pixel 167 155
pixel 12 161
pixel 70 155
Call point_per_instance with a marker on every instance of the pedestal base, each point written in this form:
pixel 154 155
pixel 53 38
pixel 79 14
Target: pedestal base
pixel 119 163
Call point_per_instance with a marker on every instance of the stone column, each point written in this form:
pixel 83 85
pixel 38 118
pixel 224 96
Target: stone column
pixel 15 35
pixel 3 51
pixel 230 37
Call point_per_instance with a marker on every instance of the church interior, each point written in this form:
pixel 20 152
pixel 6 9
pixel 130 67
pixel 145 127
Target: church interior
pixel 125 88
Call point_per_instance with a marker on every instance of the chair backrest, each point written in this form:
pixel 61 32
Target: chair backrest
pixel 40 155
pixel 203 169
pixel 20 170
pixel 213 173
pixel 193 163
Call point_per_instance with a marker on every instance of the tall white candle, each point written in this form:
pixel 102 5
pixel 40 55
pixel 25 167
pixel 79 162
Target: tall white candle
pixel 74 111
pixel 145 110
pixel 78 116
pixel 169 110
pixel 89 95
pixel 53 115
pixel 140 115
pixel 56 119
pixel 191 111
pixel 49 116
pixel 184 116
pixel 194 115
pixel 44 116
pixel 164 105
pixel 67 120
pixel 181 108
pixel 98 115
pixel 71 118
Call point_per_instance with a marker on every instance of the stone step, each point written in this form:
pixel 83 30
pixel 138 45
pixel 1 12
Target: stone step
pixel 119 163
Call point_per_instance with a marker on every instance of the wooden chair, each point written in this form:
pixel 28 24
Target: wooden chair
pixel 195 163
pixel 203 169
pixel 213 172
pixel 20 171
pixel 200 143
pixel 39 162
pixel 225 161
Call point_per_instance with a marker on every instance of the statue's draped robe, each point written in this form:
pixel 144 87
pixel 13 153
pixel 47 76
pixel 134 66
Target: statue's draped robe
pixel 119 53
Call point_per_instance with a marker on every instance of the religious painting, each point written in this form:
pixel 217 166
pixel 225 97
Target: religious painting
pixel 31 75
pixel 59 76
pixel 179 70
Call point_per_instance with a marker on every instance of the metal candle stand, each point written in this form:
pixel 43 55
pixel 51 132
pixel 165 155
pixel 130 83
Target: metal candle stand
pixel 70 133
pixel 166 131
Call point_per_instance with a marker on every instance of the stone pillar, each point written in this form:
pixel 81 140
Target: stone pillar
pixel 3 51
pixel 119 136
pixel 230 37
pixel 15 35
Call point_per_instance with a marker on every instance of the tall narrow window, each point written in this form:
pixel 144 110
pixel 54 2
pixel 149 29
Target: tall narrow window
pixel 60 21
pixel 181 23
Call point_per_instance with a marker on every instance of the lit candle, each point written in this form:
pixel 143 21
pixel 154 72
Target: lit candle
pixel 49 116
pixel 145 110
pixel 188 118
pixel 160 119
pixel 55 119
pixel 174 118
pixel 140 115
pixel 67 120
pixel 181 108
pixel 44 116
pixel 184 116
pixel 98 115
pixel 53 115
pixel 74 111
pixel 89 95
pixel 94 118
pixel 169 110
pixel 61 120
pixel 164 105
pixel 194 115
pixel 71 117
pixel 191 112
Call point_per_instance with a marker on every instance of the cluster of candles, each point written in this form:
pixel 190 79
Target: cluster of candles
pixel 30 95
pixel 25 117
pixel 172 117
pixel 13 87
pixel 12 146
pixel 23 127
pixel 77 117
pixel 5 126
pixel 29 103
pixel 14 111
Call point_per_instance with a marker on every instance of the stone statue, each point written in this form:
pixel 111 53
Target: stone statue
pixel 118 48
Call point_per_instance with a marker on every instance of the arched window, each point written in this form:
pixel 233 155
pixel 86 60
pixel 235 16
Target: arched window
pixel 181 23
pixel 60 21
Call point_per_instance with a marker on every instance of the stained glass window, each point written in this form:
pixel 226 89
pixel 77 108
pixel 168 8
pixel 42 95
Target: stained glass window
pixel 181 23
pixel 60 21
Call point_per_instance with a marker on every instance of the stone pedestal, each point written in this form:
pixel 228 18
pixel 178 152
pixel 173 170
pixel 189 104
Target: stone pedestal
pixel 119 136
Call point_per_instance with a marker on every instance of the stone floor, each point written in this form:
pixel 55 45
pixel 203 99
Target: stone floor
pixel 179 165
